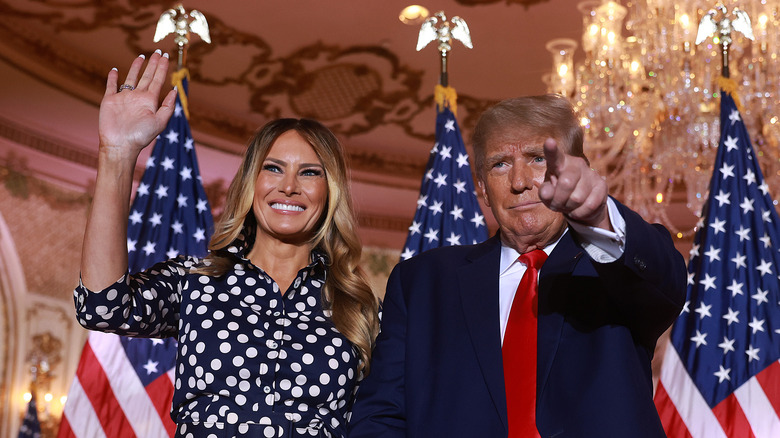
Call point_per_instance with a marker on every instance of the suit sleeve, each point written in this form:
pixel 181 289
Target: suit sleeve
pixel 379 409
pixel 647 284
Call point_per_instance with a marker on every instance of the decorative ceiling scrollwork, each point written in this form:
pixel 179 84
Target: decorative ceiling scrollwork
pixel 354 90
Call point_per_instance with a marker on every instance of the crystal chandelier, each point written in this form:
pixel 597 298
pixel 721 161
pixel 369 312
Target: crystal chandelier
pixel 648 97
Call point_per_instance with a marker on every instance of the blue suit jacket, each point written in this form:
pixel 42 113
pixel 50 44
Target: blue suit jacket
pixel 437 369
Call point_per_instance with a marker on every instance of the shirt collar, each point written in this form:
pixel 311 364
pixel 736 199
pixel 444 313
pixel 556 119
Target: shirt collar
pixel 242 244
pixel 509 255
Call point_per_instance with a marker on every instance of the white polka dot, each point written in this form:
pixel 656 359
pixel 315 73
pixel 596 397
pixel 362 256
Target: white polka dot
pixel 223 334
pixel 216 364
pixel 269 432
pixel 231 381
pixel 314 391
pixel 232 418
pixel 330 351
pixel 218 315
pixel 300 379
pixel 238 361
pixel 324 378
pixel 224 347
pixel 296 392
pixel 251 352
pixel 207 323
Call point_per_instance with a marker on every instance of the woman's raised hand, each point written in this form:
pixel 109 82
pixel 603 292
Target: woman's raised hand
pixel 130 116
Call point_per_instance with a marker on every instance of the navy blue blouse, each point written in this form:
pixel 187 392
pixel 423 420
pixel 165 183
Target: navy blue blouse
pixel 251 361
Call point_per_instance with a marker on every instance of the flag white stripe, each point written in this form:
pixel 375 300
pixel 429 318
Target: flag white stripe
pixel 80 414
pixel 758 409
pixel 694 411
pixel 128 390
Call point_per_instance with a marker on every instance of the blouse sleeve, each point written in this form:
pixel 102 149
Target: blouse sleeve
pixel 145 304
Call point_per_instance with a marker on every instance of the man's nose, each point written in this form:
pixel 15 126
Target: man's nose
pixel 522 178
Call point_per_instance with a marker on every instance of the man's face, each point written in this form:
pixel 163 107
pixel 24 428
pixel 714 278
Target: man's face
pixel 514 170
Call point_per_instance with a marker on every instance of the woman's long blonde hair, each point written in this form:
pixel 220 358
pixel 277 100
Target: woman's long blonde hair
pixel 346 292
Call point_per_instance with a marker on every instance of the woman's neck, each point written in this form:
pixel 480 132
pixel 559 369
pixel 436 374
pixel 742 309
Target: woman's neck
pixel 281 260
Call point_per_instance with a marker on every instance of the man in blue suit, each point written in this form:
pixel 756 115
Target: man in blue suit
pixel 611 284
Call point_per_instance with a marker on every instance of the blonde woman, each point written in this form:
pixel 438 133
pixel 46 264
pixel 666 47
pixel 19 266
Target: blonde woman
pixel 276 325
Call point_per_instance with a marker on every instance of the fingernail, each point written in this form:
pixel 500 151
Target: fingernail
pixel 142 56
pixel 176 88
pixel 114 69
pixel 165 55
pixel 158 51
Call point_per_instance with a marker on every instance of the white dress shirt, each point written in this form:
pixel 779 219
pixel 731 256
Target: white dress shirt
pixel 602 245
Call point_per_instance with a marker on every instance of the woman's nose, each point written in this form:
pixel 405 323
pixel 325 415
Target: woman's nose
pixel 289 184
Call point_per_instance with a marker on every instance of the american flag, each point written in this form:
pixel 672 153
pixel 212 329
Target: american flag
pixel 721 376
pixel 31 427
pixel 124 386
pixel 447 210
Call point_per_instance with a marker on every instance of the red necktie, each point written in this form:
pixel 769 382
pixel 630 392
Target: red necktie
pixel 519 351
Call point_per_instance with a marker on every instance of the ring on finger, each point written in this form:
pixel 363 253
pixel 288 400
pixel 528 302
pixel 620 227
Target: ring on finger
pixel 126 87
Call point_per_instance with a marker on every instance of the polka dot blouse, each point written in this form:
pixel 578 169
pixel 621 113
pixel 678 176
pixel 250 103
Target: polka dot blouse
pixel 250 361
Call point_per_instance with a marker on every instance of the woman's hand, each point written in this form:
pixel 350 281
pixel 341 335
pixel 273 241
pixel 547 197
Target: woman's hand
pixel 131 118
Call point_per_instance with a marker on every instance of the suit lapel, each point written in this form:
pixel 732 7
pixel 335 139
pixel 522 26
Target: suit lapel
pixel 560 264
pixel 478 284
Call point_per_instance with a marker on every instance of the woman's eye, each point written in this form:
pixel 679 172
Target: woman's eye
pixel 272 168
pixel 311 172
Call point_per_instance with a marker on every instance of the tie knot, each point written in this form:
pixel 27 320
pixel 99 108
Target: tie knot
pixel 534 259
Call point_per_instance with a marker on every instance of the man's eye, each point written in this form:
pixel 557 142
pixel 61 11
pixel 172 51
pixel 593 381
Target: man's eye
pixel 538 159
pixel 499 164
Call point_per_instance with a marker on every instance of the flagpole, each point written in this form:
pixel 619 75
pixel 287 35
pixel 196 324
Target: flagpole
pixel 448 212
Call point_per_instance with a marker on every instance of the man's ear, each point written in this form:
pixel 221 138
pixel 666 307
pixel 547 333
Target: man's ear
pixel 483 192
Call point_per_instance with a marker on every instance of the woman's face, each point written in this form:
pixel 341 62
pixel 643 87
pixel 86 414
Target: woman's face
pixel 291 190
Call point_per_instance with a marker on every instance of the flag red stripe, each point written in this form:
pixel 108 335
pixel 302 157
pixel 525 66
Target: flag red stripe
pixel 769 379
pixel 670 418
pixel 732 418
pixel 95 383
pixel 65 430
pixel 161 393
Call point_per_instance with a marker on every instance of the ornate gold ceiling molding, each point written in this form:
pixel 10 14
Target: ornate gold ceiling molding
pixel 352 89
pixel 525 3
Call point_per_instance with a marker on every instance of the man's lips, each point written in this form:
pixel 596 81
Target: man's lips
pixel 525 205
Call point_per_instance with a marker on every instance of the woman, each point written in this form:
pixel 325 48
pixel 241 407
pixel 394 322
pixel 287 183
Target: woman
pixel 276 325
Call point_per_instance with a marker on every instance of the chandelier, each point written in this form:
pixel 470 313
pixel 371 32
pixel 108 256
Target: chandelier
pixel 648 97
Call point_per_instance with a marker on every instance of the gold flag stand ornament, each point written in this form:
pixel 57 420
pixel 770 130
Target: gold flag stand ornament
pixel 181 22
pixel 437 28
pixel 721 31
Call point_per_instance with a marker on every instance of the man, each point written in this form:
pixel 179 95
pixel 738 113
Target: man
pixel 610 285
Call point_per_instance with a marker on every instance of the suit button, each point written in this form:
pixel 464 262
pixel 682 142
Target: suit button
pixel 640 263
